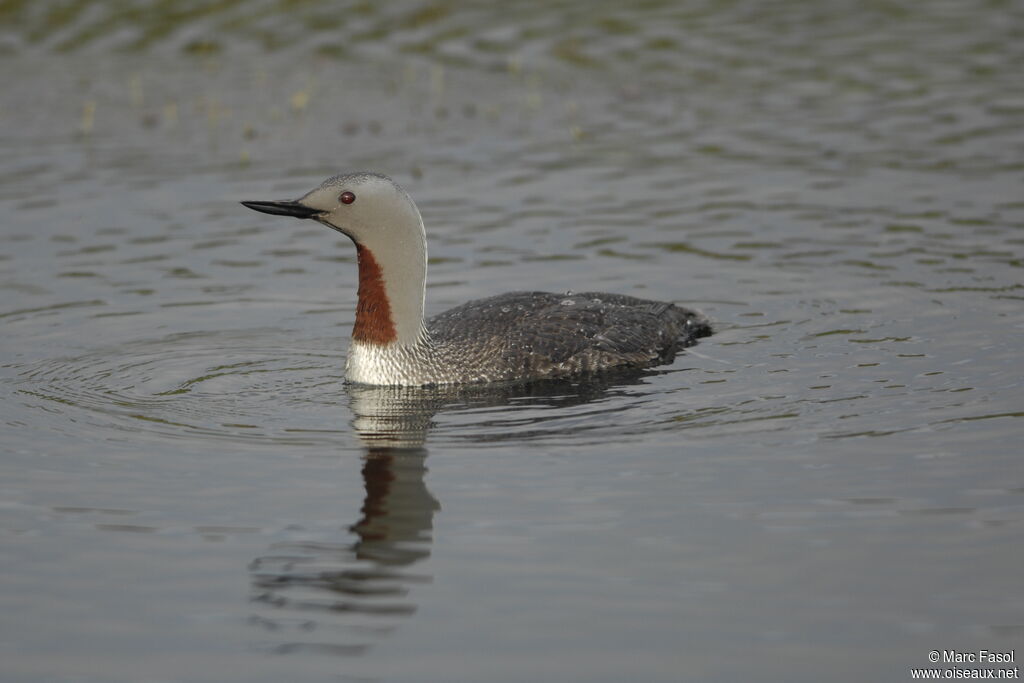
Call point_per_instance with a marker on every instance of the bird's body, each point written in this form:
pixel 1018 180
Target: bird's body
pixel 518 336
pixel 530 335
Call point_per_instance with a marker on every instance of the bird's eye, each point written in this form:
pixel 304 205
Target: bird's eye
pixel 347 197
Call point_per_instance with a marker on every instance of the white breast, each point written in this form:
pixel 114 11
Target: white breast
pixel 385 364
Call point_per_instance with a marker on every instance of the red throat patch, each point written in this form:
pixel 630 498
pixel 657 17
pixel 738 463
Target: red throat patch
pixel 373 312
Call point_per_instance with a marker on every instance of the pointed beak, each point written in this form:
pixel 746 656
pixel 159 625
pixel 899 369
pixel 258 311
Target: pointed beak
pixel 283 208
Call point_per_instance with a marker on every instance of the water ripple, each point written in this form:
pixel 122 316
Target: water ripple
pixel 218 384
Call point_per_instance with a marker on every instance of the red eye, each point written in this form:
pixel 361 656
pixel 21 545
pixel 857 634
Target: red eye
pixel 347 197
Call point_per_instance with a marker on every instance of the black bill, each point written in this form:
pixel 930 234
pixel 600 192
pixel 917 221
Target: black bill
pixel 283 208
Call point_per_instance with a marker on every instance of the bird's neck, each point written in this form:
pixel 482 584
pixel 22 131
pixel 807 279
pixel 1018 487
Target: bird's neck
pixel 391 292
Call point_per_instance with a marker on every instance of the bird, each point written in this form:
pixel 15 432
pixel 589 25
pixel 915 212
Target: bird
pixel 521 336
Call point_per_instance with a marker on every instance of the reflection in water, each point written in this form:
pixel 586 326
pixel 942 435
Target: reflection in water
pixel 364 583
pixel 338 597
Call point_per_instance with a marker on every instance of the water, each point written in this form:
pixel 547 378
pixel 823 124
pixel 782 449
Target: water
pixel 828 487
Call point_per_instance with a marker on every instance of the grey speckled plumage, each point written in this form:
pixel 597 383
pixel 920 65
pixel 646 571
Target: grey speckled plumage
pixel 544 335
pixel 519 336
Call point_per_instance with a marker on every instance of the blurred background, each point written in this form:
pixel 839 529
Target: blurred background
pixel 829 486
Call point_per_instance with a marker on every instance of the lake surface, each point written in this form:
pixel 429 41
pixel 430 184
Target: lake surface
pixel 830 487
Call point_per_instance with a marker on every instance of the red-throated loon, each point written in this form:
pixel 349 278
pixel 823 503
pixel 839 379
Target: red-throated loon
pixel 517 336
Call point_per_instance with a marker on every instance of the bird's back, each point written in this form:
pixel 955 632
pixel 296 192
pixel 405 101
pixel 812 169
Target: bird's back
pixel 535 335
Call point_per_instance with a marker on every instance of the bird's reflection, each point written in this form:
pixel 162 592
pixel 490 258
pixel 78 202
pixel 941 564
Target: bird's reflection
pixel 341 597
pixel 364 579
